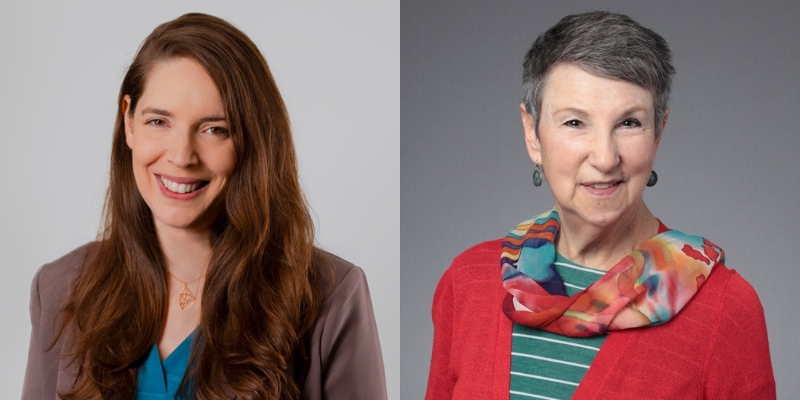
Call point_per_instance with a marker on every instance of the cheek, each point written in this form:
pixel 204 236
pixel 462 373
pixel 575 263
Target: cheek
pixel 224 162
pixel 144 152
pixel 640 156
pixel 562 148
pixel 140 172
pixel 563 158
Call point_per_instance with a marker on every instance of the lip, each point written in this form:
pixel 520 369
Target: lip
pixel 602 192
pixel 178 179
pixel 178 196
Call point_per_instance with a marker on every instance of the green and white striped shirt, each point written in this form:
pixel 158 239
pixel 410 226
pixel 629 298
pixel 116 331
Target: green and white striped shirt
pixel 549 366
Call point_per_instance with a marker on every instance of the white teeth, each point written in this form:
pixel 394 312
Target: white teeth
pixel 602 185
pixel 179 187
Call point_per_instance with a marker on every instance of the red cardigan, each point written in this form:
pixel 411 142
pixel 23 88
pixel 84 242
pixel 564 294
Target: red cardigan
pixel 715 348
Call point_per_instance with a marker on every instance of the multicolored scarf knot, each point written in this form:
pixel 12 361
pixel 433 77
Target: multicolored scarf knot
pixel 647 287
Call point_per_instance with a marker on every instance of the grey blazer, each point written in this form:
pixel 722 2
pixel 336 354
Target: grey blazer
pixel 346 361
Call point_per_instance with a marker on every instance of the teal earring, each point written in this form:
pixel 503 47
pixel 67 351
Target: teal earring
pixel 537 175
pixel 653 179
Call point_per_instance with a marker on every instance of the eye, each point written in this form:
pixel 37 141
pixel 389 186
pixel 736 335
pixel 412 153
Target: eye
pixel 156 122
pixel 574 123
pixel 218 131
pixel 631 123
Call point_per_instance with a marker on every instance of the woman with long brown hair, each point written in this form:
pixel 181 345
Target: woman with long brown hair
pixel 204 282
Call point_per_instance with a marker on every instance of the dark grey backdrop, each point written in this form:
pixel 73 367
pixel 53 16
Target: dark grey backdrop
pixel 727 164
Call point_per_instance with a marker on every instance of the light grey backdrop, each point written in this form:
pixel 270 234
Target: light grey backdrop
pixel 337 66
pixel 727 163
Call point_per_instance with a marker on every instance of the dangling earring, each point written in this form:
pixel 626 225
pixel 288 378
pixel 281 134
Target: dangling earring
pixel 653 179
pixel 537 175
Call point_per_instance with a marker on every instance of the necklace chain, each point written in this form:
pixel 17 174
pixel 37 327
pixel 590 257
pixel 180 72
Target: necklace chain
pixel 184 282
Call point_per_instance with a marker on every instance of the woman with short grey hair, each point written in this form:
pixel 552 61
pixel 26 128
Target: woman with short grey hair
pixel 597 298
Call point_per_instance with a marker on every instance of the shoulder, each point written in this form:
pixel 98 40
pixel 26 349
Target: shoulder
pixel 337 275
pixel 345 355
pixel 738 299
pixel 734 315
pixel 49 290
pixel 480 258
pixel 480 253
pixel 69 263
pixel 732 291
pixel 742 289
pixel 728 292
pixel 479 263
pixel 726 300
pixel 52 281
pixel 344 288
pixel 346 302
pixel 472 281
pixel 738 363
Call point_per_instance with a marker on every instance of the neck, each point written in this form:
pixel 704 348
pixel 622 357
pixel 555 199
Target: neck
pixel 603 246
pixel 186 252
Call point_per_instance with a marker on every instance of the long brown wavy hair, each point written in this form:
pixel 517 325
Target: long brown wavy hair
pixel 261 294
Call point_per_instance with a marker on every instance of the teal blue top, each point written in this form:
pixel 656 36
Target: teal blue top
pixel 159 380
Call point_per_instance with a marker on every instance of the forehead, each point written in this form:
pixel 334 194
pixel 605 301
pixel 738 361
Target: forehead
pixel 569 86
pixel 181 85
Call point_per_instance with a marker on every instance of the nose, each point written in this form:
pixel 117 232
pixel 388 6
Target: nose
pixel 604 152
pixel 181 151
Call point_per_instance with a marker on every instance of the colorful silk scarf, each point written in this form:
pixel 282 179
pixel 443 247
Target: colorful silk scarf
pixel 647 287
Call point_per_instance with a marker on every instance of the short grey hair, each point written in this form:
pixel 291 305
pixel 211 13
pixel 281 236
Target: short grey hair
pixel 603 44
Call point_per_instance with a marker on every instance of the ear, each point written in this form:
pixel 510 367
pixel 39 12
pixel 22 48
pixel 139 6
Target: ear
pixel 531 139
pixel 128 120
pixel 663 125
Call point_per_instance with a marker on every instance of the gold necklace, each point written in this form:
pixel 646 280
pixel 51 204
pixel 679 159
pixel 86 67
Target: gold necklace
pixel 186 296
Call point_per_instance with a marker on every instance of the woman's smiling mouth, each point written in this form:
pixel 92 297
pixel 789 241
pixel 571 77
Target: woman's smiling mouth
pixel 180 188
pixel 602 185
pixel 602 188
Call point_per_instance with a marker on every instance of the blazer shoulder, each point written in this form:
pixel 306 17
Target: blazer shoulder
pixel 73 259
pixel 336 273
pixel 345 354
pixel 53 278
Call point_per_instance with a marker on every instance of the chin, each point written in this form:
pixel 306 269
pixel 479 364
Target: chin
pixel 177 223
pixel 178 220
pixel 601 218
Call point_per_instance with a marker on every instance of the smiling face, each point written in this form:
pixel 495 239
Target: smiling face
pixel 183 155
pixel 596 142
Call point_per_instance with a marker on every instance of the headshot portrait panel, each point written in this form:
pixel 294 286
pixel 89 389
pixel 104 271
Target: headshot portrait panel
pixel 336 67
pixel 725 163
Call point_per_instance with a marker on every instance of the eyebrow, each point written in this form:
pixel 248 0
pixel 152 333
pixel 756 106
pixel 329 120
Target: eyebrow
pixel 580 113
pixel 583 114
pixel 165 113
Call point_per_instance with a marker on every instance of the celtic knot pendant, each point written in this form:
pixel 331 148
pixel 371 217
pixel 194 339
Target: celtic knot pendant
pixel 187 298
